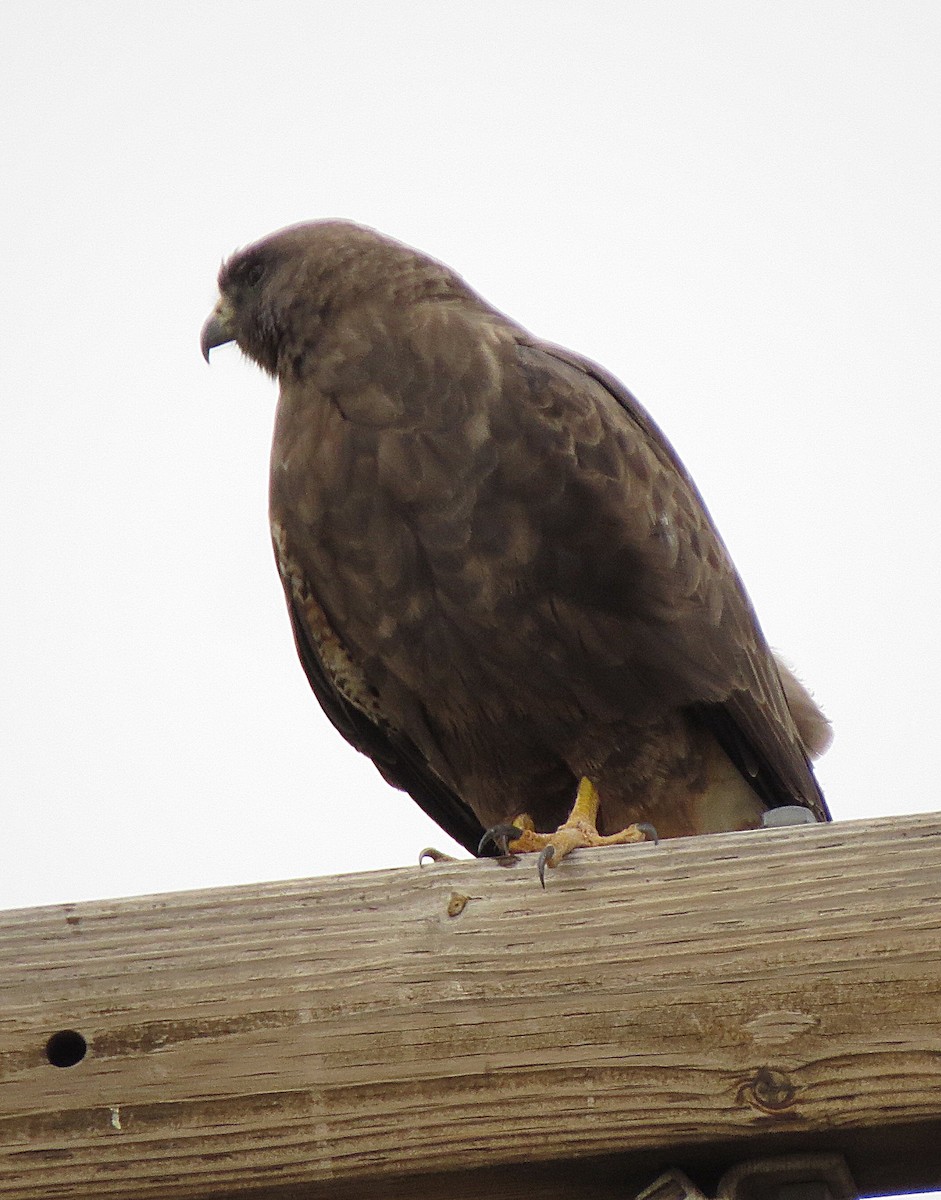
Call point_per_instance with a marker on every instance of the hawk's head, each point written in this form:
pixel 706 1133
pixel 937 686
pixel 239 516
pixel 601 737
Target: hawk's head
pixel 278 295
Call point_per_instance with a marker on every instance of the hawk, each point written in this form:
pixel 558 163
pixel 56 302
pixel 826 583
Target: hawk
pixel 504 587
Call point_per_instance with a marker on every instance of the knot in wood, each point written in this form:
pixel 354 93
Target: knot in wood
pixel 770 1090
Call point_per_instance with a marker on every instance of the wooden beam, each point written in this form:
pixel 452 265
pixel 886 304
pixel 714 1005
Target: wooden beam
pixel 457 1029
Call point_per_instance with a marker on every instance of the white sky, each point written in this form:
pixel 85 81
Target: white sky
pixel 733 206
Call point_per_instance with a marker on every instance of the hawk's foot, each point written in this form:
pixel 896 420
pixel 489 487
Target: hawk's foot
pixel 581 829
pixel 500 836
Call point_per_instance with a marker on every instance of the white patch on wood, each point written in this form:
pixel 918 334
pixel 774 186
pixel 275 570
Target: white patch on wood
pixel 780 1026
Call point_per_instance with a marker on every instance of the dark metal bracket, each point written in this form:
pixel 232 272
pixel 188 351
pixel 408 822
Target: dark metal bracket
pixel 788 1177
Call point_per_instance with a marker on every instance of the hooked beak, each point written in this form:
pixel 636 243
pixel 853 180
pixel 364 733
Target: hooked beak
pixel 217 329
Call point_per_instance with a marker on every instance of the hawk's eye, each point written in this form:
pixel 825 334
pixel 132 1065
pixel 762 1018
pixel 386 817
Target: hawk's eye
pixel 246 272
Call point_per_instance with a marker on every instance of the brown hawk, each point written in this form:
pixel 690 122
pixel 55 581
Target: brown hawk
pixel 504 587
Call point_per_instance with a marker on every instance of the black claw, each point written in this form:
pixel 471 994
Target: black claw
pixel 437 856
pixel 546 855
pixel 500 835
pixel 652 835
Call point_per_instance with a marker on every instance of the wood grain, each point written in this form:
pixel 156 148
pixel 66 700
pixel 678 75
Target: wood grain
pixel 688 1004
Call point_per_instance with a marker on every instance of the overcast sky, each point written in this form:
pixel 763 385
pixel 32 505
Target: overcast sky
pixel 733 206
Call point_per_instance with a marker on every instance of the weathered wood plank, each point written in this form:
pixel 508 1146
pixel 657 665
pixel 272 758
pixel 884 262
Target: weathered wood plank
pixel 688 1004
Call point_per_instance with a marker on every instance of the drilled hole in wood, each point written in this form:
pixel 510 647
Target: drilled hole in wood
pixel 66 1048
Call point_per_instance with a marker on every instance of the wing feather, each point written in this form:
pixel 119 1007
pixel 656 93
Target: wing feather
pixel 395 755
pixel 712 631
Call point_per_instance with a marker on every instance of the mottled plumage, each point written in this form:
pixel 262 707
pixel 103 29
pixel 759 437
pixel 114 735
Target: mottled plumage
pixel 500 577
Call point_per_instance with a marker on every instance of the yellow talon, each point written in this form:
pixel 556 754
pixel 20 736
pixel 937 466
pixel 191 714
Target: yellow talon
pixel 586 804
pixel 581 829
